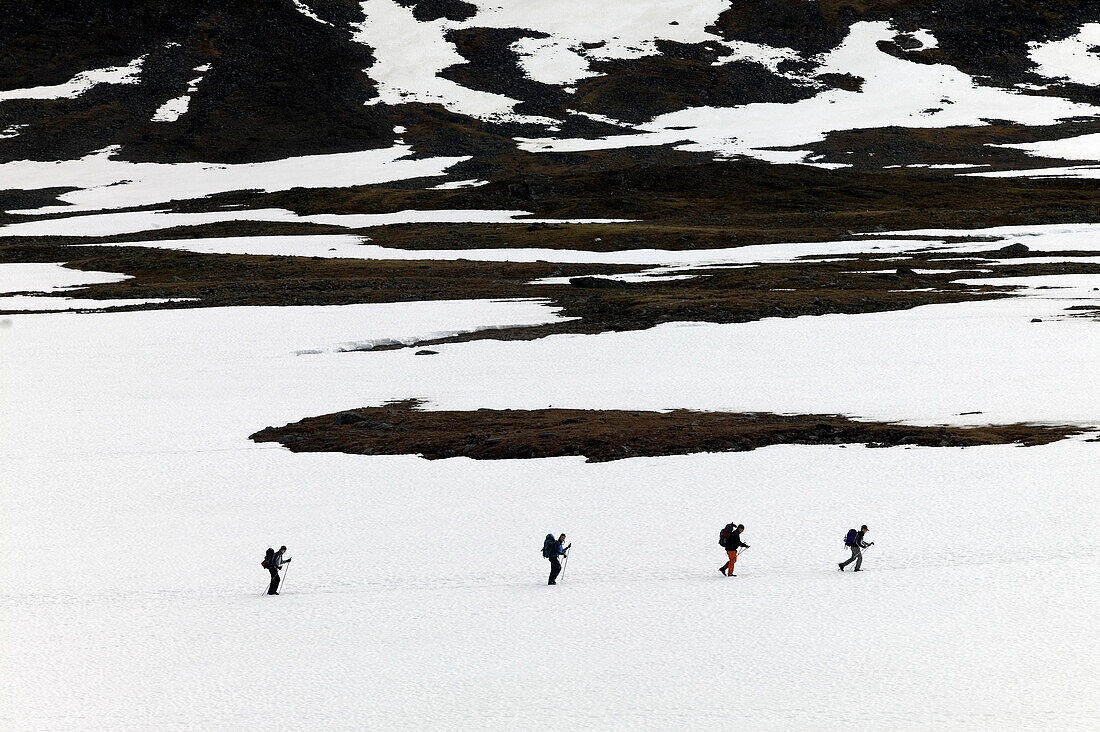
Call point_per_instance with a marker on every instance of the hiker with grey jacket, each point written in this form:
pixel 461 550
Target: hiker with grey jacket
pixel 854 540
pixel 274 562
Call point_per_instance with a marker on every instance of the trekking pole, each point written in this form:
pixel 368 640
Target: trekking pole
pixel 566 562
pixel 282 584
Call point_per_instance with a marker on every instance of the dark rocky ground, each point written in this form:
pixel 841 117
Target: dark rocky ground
pixel 282 84
pixel 487 434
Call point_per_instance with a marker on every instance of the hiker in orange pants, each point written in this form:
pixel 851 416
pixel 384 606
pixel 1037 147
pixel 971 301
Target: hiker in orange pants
pixel 731 542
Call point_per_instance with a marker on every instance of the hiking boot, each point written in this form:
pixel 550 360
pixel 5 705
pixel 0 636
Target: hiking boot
pixel 551 583
pixel 722 571
pixel 857 570
pixel 841 565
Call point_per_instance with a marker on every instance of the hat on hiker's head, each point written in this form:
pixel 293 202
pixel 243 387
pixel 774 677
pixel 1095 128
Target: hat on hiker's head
pixel 863 528
pixel 740 527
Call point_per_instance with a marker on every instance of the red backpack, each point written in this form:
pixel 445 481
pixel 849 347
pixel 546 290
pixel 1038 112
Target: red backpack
pixel 724 535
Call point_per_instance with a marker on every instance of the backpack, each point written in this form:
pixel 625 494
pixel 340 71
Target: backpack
pixel 269 555
pixel 548 546
pixel 850 538
pixel 724 535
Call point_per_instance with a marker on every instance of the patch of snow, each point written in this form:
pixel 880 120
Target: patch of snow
pixel 648 276
pixel 308 12
pixel 1070 58
pixel 346 246
pixel 925 38
pixel 767 56
pixel 1042 238
pixel 52 277
pixel 551 60
pixel 1095 259
pixel 1060 287
pixel 1079 147
pixel 106 183
pixel 11 131
pixel 456 184
pixel 1079 172
pixel 598 118
pixel 37 304
pixel 172 110
pixel 82 82
pixel 895 92
pixel 627 30
pixel 128 222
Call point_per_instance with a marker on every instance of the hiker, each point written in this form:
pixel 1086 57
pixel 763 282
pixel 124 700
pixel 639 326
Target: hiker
pixel 854 539
pixel 552 549
pixel 274 562
pixel 730 540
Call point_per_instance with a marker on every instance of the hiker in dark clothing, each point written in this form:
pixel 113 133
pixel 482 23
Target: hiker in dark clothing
pixel 275 562
pixel 552 549
pixel 269 564
pixel 731 545
pixel 858 545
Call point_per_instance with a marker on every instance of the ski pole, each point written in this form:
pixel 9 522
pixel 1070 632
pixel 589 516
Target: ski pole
pixel 282 585
pixel 566 562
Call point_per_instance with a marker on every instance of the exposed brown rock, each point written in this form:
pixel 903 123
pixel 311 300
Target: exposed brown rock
pixel 402 428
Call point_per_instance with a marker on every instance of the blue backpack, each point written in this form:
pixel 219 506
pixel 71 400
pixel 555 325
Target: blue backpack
pixel 850 538
pixel 548 546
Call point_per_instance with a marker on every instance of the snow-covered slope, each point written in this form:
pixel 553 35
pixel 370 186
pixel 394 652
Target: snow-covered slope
pixel 136 513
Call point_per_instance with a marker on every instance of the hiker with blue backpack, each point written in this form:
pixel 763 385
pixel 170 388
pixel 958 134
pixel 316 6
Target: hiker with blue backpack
pixel 552 549
pixel 729 538
pixel 854 540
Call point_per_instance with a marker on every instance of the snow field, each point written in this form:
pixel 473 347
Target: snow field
pixel 103 182
pixel 136 513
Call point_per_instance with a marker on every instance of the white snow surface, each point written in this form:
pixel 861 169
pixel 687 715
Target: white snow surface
pixel 55 277
pixel 1070 58
pixel 41 304
pixel 136 513
pixel 1080 147
pixel 345 246
pixel 894 92
pixel 49 277
pixel 1038 238
pixel 82 82
pixel 104 182
pixel 172 110
pixel 129 222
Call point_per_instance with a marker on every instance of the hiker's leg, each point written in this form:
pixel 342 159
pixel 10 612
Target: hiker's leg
pixel 555 569
pixel 724 567
pixel 859 556
pixel 733 561
pixel 274 586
